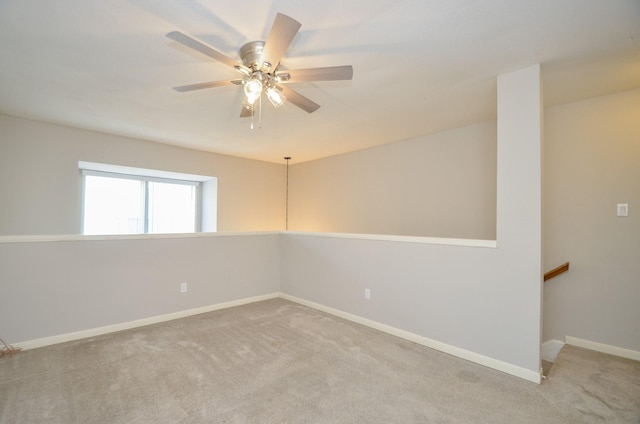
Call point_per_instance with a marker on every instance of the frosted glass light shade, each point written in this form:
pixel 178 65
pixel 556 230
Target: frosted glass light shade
pixel 275 97
pixel 252 90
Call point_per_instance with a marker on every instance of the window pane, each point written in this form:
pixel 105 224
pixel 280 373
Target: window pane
pixel 113 206
pixel 172 208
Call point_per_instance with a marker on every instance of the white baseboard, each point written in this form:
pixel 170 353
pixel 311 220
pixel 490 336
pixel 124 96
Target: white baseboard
pixel 533 376
pixel 604 348
pixel 517 371
pixel 93 332
pixel 550 349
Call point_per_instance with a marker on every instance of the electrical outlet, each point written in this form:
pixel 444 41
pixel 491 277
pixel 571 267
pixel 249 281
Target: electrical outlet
pixel 183 287
pixel 367 294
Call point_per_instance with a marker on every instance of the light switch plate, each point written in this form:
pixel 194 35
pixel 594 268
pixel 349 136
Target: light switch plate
pixel 623 209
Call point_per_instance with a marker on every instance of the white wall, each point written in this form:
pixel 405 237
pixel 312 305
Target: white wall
pixel 58 287
pixel 40 185
pixel 483 300
pixel 592 162
pixel 440 185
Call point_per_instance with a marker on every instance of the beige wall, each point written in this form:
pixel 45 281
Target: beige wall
pixel 441 185
pixel 56 287
pixel 40 186
pixel 592 162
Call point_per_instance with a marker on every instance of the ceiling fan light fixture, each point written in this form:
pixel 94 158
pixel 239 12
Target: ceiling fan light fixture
pixel 275 96
pixel 247 104
pixel 252 89
pixel 266 66
pixel 283 77
pixel 244 71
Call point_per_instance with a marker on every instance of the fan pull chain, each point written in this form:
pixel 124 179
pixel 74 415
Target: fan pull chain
pixel 260 111
pixel 253 112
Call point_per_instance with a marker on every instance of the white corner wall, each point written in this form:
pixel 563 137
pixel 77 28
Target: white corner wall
pixel 472 299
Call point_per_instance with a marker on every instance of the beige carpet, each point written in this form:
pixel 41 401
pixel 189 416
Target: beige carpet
pixel 280 362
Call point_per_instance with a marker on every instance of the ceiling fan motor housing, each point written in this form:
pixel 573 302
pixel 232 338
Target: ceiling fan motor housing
pixel 251 54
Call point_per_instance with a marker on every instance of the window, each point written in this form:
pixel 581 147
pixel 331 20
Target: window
pixel 138 203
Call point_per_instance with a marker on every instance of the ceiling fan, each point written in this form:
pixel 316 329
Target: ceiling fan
pixel 259 68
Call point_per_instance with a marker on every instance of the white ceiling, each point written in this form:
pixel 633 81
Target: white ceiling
pixel 420 66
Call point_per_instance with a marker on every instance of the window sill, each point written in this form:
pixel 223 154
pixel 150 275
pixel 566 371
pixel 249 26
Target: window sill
pixel 80 237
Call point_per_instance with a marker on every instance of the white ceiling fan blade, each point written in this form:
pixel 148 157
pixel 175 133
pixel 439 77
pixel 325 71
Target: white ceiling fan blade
pixel 299 100
pixel 282 32
pixel 196 45
pixel 329 73
pixel 202 85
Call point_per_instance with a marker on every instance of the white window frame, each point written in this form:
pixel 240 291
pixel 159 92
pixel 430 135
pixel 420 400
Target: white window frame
pixel 206 189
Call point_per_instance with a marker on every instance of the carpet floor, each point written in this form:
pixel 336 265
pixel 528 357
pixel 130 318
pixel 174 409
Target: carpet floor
pixel 281 362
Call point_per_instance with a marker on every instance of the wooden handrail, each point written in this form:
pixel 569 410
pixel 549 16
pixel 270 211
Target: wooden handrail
pixel 556 271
